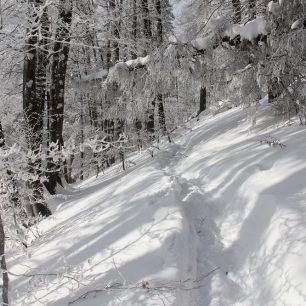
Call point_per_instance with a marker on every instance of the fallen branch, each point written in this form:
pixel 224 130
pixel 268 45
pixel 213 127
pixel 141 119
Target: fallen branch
pixel 272 142
pixel 186 285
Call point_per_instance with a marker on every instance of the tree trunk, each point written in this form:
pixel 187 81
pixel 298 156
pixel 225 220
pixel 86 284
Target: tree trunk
pixel 57 94
pixel 33 110
pixel 150 124
pixel 5 279
pixel 147 25
pixel 134 30
pixel 237 11
pixel 252 9
pixel 161 115
pixel 159 23
pixel 203 100
pixel 138 127
pixel 115 30
pixel 82 140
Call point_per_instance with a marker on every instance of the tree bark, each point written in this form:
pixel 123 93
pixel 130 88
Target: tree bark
pixel 147 25
pixel 203 100
pixel 134 30
pixel 57 93
pixel 159 23
pixel 161 115
pixel 237 11
pixel 252 9
pixel 5 279
pixel 150 124
pixel 114 7
pixel 34 110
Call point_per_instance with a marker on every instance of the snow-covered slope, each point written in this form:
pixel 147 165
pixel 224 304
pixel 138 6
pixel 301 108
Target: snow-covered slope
pixel 215 218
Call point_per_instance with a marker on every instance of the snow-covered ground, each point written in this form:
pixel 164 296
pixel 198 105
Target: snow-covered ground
pixel 215 218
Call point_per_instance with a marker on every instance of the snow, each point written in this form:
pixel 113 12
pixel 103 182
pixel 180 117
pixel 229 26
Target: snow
pixel 218 24
pixel 249 31
pixel 100 74
pixel 274 8
pixel 140 61
pixel 202 43
pixel 296 24
pixel 252 29
pixel 215 218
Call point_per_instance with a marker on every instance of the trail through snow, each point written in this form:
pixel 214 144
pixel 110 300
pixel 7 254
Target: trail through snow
pixel 215 218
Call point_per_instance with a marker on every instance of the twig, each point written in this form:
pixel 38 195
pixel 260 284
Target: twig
pixel 186 285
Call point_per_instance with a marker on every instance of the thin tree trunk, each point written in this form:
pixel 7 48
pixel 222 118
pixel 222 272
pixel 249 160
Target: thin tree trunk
pixel 252 9
pixel 203 100
pixel 147 25
pixel 82 141
pixel 160 98
pixel 237 11
pixel 115 30
pixel 5 279
pixel 108 48
pixel 159 23
pixel 150 124
pixel 1 16
pixel 134 30
pixel 161 115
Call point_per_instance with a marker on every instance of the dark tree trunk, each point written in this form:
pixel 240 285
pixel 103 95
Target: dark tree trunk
pixel 116 54
pixel 159 23
pixel 237 11
pixel 108 48
pixel 161 115
pixel 34 110
pixel 274 89
pixel 203 100
pixel 138 127
pixel 160 98
pixel 5 279
pixel 57 93
pixel 82 140
pixel 147 25
pixel 134 30
pixel 150 124
pixel 252 9
pixel 42 54
pixel 115 30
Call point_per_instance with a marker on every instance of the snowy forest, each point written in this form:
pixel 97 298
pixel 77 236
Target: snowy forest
pixel 152 152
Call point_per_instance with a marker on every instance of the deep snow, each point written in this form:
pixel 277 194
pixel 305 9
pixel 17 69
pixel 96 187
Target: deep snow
pixel 215 218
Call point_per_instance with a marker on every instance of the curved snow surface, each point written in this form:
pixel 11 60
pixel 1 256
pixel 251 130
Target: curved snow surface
pixel 215 218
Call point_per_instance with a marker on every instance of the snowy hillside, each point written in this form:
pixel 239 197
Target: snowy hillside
pixel 218 217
